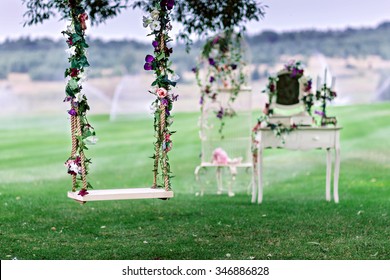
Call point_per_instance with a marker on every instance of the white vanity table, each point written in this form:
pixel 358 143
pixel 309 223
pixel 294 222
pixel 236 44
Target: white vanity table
pixel 303 138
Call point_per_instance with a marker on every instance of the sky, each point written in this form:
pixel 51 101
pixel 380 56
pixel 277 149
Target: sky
pixel 281 15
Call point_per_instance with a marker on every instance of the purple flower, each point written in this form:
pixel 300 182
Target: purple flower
pixel 220 113
pixel 194 69
pixel 67 99
pixel 167 113
pixel 164 101
pixel 294 72
pixel 319 113
pixel 175 97
pixel 216 39
pixel 201 100
pixel 170 4
pixel 211 61
pixel 72 112
pixel 148 66
pixel 155 44
pixel 167 3
pixel 212 79
pixel 234 66
pixel 149 58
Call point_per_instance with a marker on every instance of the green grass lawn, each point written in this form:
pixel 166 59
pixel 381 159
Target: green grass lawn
pixel 37 221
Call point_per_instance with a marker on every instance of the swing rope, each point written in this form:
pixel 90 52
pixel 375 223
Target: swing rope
pixel 74 148
pixel 76 133
pixel 82 156
pixel 161 134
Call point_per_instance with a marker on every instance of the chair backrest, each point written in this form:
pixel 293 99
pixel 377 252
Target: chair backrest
pixel 236 131
pixel 289 92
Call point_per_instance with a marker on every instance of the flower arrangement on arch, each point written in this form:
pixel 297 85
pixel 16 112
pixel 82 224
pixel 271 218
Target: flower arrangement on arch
pixel 222 58
pixel 82 132
pixel 159 23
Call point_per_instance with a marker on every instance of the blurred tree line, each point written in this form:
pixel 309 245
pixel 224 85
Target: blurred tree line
pixel 45 59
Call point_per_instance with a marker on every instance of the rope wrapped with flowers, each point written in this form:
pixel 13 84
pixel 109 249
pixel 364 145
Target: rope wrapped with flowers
pixel 159 23
pixel 223 59
pixel 81 130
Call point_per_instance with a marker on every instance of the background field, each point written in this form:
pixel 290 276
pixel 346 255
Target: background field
pixel 37 221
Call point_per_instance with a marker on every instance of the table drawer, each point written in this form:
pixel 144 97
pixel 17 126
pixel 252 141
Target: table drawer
pixel 270 140
pixel 299 139
pixel 316 139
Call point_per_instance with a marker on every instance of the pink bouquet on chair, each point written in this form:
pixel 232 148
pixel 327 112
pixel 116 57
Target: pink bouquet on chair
pixel 220 156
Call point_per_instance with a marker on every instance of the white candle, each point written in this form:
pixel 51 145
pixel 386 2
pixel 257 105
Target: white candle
pixel 325 76
pixel 333 83
pixel 318 83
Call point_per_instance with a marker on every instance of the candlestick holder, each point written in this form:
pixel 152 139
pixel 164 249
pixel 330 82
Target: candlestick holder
pixel 325 94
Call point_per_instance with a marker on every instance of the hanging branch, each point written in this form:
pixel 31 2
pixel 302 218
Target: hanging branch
pixel 82 132
pixel 159 23
pixel 99 11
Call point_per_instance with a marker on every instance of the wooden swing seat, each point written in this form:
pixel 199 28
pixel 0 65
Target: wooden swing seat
pixel 121 194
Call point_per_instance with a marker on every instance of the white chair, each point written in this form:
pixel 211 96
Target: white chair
pixel 235 138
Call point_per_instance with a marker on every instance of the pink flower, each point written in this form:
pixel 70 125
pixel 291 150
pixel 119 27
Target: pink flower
pixel 83 17
pixel 256 127
pixel 83 192
pixel 74 72
pixel 266 109
pixel 220 156
pixel 161 92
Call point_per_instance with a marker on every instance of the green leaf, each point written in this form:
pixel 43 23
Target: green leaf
pixel 73 85
pixel 161 56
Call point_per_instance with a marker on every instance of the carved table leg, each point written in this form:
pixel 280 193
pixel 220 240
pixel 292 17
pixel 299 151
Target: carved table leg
pixel 254 174
pixel 260 175
pixel 336 175
pixel 328 173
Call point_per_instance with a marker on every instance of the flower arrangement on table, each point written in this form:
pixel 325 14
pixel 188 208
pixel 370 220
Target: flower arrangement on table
pixel 295 69
pixel 82 132
pixel 159 23
pixel 223 58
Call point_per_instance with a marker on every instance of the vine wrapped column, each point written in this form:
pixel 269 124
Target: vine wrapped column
pixel 159 23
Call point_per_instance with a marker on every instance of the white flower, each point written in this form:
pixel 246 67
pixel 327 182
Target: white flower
pixel 155 25
pixel 82 76
pixel 91 140
pixel 263 124
pixel 214 52
pixel 71 51
pixel 155 14
pixel 79 97
pixel 174 77
pixel 74 168
pixel 146 21
pixel 70 28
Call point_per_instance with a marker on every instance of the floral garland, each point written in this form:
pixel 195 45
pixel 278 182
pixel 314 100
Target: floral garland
pixel 82 132
pixel 159 23
pixel 224 58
